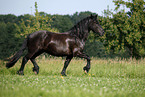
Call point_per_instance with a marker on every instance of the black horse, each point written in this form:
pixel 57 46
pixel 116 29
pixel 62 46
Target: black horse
pixel 69 44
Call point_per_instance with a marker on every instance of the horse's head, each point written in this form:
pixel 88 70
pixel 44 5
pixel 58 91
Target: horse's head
pixel 95 26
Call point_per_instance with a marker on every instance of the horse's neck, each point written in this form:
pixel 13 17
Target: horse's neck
pixel 81 32
pixel 82 35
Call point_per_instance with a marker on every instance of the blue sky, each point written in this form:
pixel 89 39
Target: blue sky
pixel 21 7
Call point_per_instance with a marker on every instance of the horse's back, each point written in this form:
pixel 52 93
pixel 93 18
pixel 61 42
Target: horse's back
pixel 36 39
pixel 57 44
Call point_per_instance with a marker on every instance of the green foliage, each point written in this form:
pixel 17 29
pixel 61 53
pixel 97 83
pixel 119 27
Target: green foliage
pixel 8 42
pixel 8 18
pixel 126 30
pixel 62 23
pixel 93 47
pixel 13 34
pixel 35 23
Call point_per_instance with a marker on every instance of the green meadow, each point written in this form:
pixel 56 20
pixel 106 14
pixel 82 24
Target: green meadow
pixel 107 78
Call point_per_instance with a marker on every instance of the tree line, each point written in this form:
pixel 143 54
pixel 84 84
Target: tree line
pixel 124 31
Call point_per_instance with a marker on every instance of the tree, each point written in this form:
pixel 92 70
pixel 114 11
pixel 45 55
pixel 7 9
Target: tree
pixel 35 23
pixel 8 18
pixel 13 34
pixel 127 30
pixel 62 23
pixel 8 41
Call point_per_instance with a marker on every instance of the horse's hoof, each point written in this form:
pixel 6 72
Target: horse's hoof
pixel 36 71
pixel 20 73
pixel 63 74
pixel 86 70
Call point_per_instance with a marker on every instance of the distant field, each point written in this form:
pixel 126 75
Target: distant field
pixel 107 78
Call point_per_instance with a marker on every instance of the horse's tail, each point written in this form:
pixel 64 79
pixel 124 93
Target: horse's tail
pixel 16 57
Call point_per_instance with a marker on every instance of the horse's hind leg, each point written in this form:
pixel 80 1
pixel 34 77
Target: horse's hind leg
pixel 29 55
pixel 36 67
pixel 24 61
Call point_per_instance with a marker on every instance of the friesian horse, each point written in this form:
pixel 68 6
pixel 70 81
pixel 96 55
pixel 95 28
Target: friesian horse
pixel 69 44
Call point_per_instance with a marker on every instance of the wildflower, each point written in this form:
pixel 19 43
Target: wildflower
pixel 62 77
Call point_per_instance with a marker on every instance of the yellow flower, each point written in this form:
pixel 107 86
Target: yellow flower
pixel 62 77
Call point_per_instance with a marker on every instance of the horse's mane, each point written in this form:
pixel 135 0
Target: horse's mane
pixel 78 29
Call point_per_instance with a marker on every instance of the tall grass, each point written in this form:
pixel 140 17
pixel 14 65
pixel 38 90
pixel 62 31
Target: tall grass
pixel 107 78
pixel 99 67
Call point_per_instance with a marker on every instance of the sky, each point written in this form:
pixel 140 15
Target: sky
pixel 21 7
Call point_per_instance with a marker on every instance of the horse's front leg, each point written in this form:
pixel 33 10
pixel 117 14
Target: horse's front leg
pixel 67 61
pixel 88 66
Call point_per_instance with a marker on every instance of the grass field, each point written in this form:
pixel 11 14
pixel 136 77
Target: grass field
pixel 107 78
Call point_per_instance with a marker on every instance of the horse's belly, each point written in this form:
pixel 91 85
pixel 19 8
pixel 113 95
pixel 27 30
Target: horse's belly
pixel 58 50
